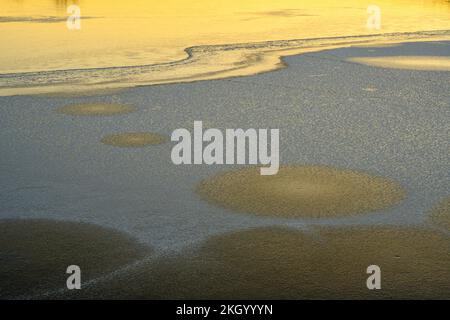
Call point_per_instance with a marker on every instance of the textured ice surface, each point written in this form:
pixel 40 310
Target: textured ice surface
pixel 54 165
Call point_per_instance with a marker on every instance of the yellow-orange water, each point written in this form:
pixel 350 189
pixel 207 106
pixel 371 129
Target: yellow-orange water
pixel 34 35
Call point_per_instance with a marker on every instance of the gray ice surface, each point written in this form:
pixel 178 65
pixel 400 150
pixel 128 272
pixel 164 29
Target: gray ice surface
pixel 54 166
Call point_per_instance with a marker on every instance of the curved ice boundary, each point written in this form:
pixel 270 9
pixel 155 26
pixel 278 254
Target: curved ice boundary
pixel 201 63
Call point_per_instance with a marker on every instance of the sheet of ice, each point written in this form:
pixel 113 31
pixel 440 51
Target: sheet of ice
pixel 54 166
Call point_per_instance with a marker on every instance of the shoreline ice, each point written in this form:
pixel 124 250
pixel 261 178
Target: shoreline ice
pixel 200 63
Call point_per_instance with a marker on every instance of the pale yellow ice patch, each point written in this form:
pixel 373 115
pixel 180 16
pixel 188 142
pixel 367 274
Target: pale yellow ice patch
pixel 301 191
pixel 134 139
pixel 432 63
pixel 95 109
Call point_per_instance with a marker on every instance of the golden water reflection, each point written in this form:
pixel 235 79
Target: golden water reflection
pixel 117 33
